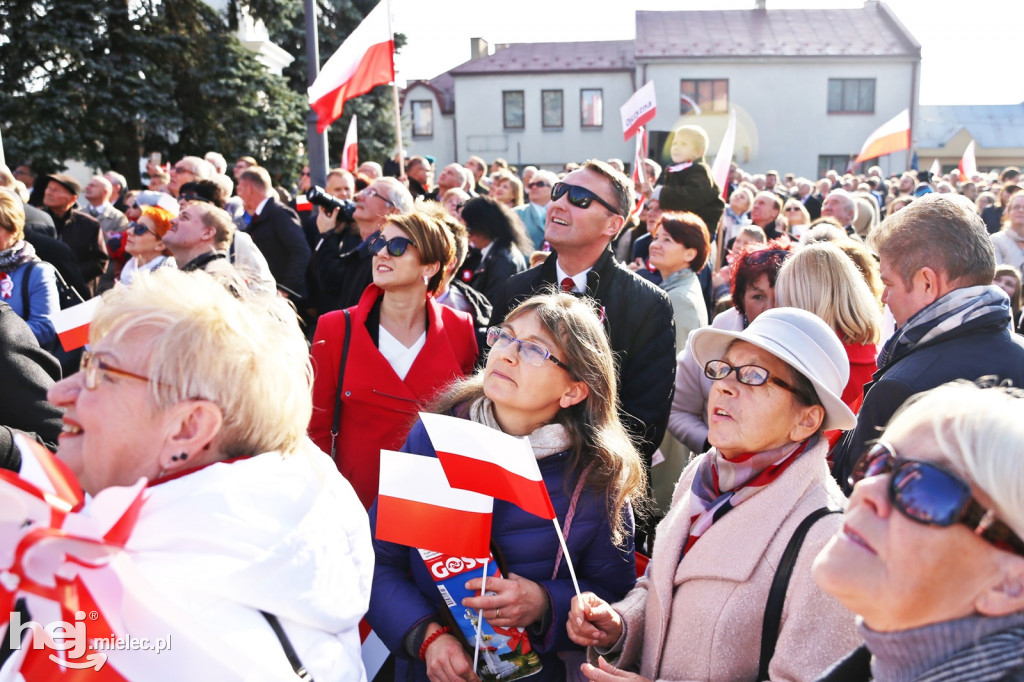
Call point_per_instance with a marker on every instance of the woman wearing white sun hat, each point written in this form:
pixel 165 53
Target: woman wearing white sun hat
pixel 699 613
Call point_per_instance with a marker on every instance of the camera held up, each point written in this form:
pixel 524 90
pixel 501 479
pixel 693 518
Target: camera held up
pixel 345 208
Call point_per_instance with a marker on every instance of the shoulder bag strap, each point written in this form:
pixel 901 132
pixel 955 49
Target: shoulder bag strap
pixel 26 301
pixel 777 593
pixel 286 644
pixel 567 525
pixel 341 378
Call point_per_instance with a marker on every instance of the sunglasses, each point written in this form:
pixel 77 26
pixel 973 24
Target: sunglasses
pixel 790 209
pixel 396 246
pixel 138 229
pixel 531 353
pixel 749 375
pixel 580 197
pixel 535 185
pixel 934 496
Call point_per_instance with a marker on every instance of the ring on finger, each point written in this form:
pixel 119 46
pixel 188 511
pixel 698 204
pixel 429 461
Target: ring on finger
pixel 497 613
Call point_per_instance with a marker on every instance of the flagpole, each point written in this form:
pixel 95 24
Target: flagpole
pixel 480 618
pixel 568 559
pixel 394 92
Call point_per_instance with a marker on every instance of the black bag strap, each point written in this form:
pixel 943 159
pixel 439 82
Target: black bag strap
pixel 26 302
pixel 286 644
pixel 777 593
pixel 341 377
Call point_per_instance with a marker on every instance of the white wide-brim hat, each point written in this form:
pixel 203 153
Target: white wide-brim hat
pixel 801 340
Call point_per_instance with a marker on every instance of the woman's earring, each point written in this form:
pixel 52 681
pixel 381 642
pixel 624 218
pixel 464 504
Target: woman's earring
pixel 179 458
pixel 426 280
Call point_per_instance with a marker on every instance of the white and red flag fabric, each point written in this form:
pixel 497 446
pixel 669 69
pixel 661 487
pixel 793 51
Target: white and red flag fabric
pixel 968 165
pixel 639 156
pixel 485 460
pixel 72 324
pixel 891 136
pixel 935 170
pixel 365 60
pixel 638 110
pixel 350 152
pixel 417 507
pixel 723 160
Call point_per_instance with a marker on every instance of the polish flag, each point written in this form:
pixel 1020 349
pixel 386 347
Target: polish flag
pixel 720 168
pixel 417 507
pixel 639 156
pixel 935 169
pixel 350 152
pixel 364 61
pixel 485 460
pixel 72 324
pixel 968 166
pixel 892 136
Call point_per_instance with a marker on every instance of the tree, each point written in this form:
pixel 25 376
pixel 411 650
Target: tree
pixel 104 80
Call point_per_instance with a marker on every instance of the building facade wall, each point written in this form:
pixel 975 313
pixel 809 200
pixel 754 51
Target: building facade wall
pixel 441 143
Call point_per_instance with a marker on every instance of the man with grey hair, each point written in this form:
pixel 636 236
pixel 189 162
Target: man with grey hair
pixel 370 169
pixel 841 205
pixel 276 231
pixel 217 160
pixel 451 177
pixel 199 239
pixel 937 264
pixel 535 212
pixel 805 193
pixel 343 262
pixel 188 169
pixel 478 167
pixel 118 186
pixel 97 197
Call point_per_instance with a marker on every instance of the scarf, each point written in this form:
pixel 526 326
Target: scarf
pixel 547 440
pixel 721 484
pixel 13 258
pixel 944 315
pixel 679 167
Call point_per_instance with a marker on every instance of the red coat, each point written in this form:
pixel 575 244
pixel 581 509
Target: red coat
pixel 378 408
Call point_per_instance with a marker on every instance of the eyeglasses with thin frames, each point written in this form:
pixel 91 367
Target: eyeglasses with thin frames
pixel 93 370
pixel 374 193
pixel 531 353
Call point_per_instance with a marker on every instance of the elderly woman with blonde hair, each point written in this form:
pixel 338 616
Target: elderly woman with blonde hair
pixel 245 525
pixel 930 555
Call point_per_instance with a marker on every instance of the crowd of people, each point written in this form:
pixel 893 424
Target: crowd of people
pixel 706 376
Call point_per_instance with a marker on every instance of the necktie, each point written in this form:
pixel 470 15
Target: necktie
pixel 568 285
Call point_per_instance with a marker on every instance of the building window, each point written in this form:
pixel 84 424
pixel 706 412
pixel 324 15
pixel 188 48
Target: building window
pixel 592 108
pixel 551 113
pixel 704 96
pixel 422 118
pixel 513 108
pixel 836 162
pixel 851 95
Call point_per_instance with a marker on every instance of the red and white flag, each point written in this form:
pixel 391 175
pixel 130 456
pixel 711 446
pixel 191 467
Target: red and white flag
pixel 935 169
pixel 638 110
pixel 364 61
pixel 891 136
pixel 639 156
pixel 350 152
pixel 417 507
pixel 968 166
pixel 72 324
pixel 485 460
pixel 723 160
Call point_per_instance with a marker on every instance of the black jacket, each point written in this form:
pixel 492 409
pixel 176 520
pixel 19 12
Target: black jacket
pixel 641 332
pixel 278 235
pixel 693 189
pixel 981 347
pixel 491 273
pixel 28 372
pixel 82 233
pixel 344 268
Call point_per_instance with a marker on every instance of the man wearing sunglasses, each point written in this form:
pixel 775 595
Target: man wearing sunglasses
pixel 534 213
pixel 587 210
pixel 937 265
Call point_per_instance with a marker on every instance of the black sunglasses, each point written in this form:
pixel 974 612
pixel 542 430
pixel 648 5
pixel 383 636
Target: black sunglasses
pixel 534 185
pixel 580 197
pixel 396 246
pixel 934 496
pixel 139 229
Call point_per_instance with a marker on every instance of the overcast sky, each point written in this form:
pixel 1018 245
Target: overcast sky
pixel 971 51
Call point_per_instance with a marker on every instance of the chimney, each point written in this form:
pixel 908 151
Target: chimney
pixel 478 48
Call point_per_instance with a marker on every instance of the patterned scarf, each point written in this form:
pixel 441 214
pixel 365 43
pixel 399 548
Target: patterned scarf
pixel 721 484
pixel 13 258
pixel 943 316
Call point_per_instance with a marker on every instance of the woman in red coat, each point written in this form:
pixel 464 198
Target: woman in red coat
pixel 404 349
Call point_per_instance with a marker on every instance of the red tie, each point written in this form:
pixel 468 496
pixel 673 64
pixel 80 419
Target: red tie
pixel 568 285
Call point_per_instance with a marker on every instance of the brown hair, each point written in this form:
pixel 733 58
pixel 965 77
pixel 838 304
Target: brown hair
pixel 433 240
pixel 689 230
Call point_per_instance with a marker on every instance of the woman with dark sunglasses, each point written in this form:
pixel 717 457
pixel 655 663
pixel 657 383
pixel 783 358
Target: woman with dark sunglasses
pixel 403 348
pixel 550 377
pixel 701 611
pixel 145 243
pixel 930 555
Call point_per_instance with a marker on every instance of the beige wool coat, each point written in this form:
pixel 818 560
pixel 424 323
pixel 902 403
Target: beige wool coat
pixel 700 618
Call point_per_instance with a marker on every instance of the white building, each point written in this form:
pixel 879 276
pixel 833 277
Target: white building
pixel 807 86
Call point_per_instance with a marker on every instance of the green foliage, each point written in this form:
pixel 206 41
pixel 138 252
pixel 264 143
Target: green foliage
pixel 106 80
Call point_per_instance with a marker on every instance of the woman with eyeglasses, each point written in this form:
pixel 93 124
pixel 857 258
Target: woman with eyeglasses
pixel 26 283
pixel 702 610
pixel 244 523
pixel 929 555
pixel 499 241
pixel 379 363
pixel 549 377
pixel 145 243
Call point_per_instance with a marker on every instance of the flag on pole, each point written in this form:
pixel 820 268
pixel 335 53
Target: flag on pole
pixel 350 152
pixel 935 169
pixel 478 458
pixel 968 166
pixel 723 160
pixel 891 136
pixel 639 155
pixel 364 60
pixel 638 110
pixel 417 507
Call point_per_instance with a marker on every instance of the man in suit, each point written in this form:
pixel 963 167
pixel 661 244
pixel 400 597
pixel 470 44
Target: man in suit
pixel 477 166
pixel 451 177
pixel 534 214
pixel 805 193
pixel 97 204
pixel 276 231
pixel 841 205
